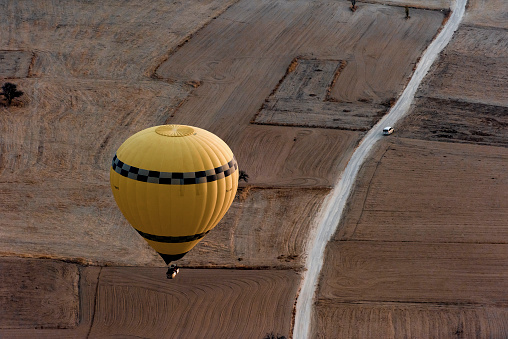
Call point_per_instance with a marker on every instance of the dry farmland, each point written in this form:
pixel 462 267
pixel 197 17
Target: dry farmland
pixel 94 80
pixel 422 248
pixel 291 86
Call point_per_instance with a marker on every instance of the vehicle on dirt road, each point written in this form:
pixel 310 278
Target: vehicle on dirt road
pixel 388 130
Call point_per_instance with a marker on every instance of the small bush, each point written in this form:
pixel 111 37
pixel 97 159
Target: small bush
pixel 243 176
pixel 274 336
pixel 10 91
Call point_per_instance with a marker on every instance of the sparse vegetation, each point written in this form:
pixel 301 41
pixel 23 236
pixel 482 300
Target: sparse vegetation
pixel 243 176
pixel 10 91
pixel 274 336
pixel 243 192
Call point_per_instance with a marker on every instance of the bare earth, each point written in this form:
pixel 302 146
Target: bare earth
pixel 291 86
pixel 57 143
pixel 421 251
pixel 424 242
pixel 38 293
pixel 135 302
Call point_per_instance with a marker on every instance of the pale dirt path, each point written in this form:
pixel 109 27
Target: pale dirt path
pixel 334 204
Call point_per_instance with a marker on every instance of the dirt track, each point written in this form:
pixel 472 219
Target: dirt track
pixel 92 80
pixel 422 248
pixel 425 226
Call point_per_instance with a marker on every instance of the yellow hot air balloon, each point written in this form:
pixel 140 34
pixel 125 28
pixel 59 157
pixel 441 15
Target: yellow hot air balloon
pixel 174 183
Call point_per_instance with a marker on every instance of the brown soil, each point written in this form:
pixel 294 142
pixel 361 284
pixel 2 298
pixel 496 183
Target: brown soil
pixel 198 304
pixel 430 4
pixel 268 229
pixel 38 294
pixel 415 272
pixel 463 122
pixel 87 91
pixel 83 99
pixel 303 99
pixel 411 320
pixel 421 250
pixel 378 50
pixel 430 192
pixel 293 157
pixel 141 302
pixel 93 80
pixel 490 13
pixel 468 83
pixel 54 153
pixel 473 68
pixel 15 64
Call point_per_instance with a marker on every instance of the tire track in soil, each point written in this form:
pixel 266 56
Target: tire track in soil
pixel 334 204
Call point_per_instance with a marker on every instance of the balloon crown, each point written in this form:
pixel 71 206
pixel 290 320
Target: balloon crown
pixel 174 130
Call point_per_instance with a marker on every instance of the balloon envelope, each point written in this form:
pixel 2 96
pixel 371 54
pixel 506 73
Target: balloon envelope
pixel 174 183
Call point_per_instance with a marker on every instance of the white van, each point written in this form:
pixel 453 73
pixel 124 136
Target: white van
pixel 388 130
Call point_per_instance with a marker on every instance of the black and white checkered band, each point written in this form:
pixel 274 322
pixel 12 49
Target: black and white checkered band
pixel 174 178
pixel 173 240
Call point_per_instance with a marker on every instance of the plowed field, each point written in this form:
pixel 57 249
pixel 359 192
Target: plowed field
pixel 141 302
pixel 291 86
pixel 96 79
pixel 422 248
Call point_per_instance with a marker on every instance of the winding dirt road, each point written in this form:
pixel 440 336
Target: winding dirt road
pixel 333 206
pixel 268 70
